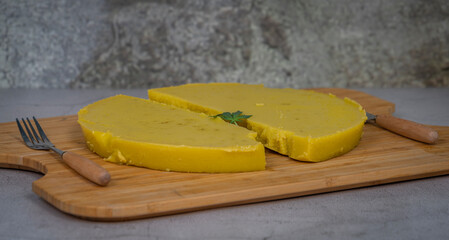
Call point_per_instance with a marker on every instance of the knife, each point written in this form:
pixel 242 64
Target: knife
pixel 406 128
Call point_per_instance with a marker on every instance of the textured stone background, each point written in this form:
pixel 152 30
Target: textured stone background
pixel 284 43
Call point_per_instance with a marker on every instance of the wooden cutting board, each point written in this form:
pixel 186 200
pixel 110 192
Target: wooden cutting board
pixel 381 157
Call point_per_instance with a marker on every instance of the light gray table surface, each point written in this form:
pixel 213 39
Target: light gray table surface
pixel 417 209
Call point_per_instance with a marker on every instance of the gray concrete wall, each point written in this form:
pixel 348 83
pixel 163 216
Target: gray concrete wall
pixel 284 43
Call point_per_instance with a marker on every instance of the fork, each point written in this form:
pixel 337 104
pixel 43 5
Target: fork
pixel 84 166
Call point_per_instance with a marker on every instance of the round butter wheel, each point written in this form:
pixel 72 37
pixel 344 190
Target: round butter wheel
pixel 134 131
pixel 302 124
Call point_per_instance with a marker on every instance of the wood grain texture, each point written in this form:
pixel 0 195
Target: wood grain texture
pixel 86 168
pixel 407 128
pixel 381 157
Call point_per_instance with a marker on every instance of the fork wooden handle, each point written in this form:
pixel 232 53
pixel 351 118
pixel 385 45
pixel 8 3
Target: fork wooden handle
pixel 87 168
pixel 408 128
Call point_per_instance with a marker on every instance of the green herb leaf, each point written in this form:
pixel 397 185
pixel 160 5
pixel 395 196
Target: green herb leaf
pixel 232 117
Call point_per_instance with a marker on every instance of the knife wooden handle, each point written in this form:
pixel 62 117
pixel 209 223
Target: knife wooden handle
pixel 408 128
pixel 87 168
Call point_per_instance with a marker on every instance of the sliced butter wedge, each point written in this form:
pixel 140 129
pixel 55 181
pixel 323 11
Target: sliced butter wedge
pixel 304 125
pixel 144 133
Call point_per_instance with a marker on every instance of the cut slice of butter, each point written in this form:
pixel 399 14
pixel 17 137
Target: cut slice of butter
pixel 144 133
pixel 304 125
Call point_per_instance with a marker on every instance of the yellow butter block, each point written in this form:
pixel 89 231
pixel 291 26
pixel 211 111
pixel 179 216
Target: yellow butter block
pixel 304 125
pixel 134 131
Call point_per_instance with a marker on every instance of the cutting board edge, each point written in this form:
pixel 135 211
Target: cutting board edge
pixel 106 214
pixel 24 162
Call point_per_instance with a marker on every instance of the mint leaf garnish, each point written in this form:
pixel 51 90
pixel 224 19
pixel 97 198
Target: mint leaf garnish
pixel 232 117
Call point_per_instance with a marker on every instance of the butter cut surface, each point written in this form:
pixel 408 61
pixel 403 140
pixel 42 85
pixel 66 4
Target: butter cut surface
pixel 139 132
pixel 303 124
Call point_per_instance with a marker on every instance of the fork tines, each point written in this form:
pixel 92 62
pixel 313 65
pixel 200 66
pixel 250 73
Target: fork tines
pixel 36 139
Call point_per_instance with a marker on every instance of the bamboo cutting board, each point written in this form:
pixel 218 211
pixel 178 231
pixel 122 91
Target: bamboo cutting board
pixel 381 157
